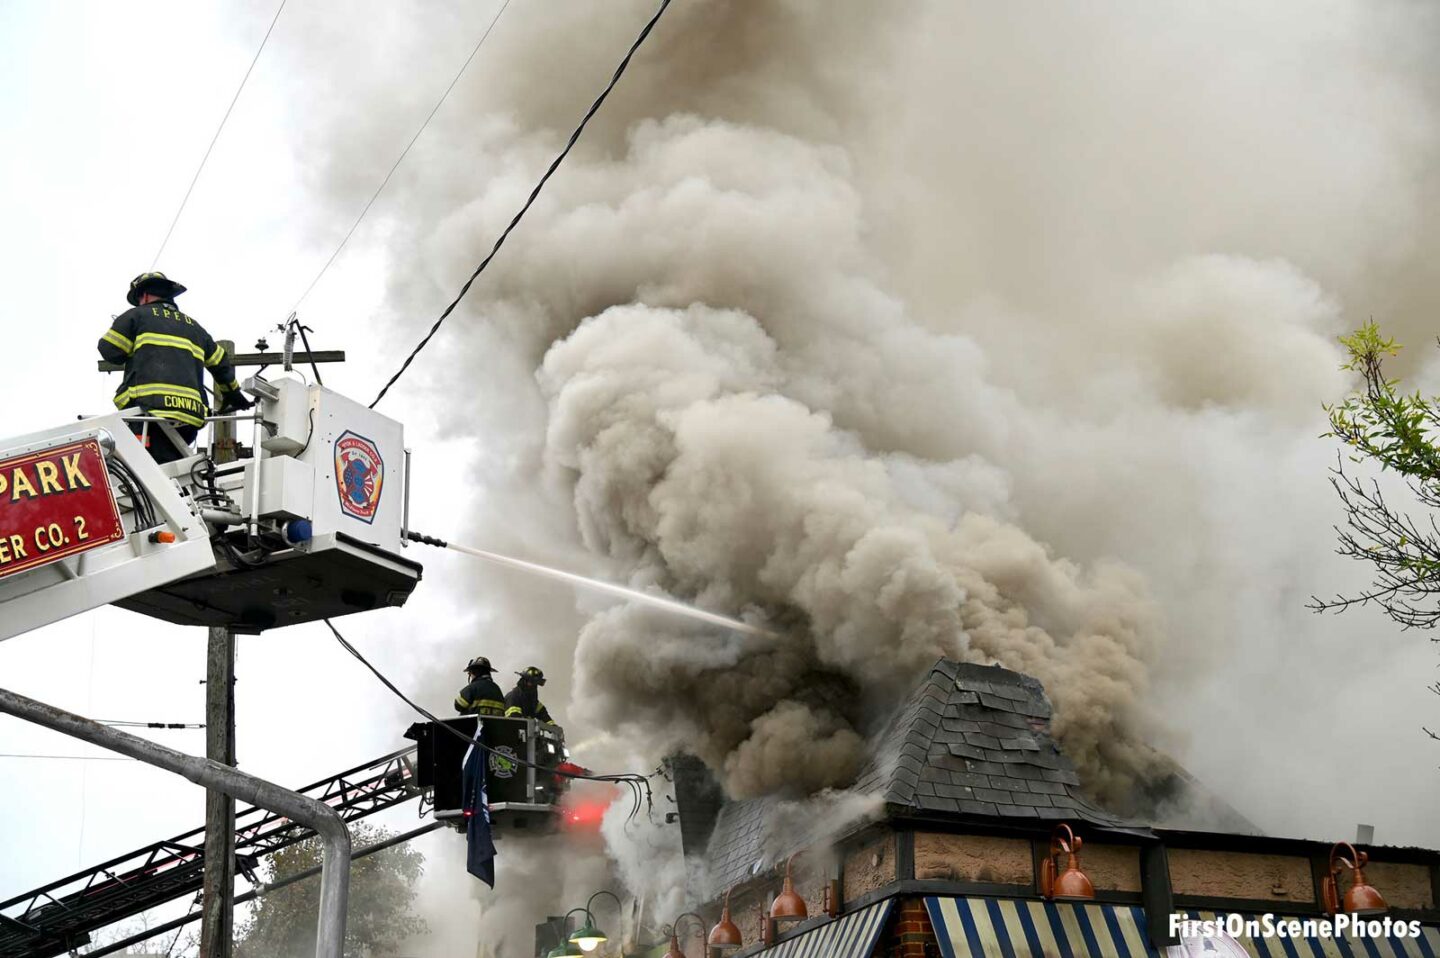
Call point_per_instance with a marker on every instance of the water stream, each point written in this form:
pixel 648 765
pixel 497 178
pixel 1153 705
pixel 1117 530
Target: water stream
pixel 624 592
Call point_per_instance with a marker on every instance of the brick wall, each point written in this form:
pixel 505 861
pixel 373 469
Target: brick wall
pixel 909 934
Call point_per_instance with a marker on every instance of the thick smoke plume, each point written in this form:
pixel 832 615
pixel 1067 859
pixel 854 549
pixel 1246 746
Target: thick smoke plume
pixel 990 331
pixel 696 464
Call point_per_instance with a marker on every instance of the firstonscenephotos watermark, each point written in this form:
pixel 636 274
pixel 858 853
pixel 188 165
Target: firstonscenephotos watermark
pixel 1279 926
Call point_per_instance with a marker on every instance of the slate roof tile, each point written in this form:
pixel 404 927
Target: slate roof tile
pixel 1017 811
pixel 966 751
pixel 941 804
pixel 955 791
pixel 1026 771
pixel 988 768
pixel 1013 784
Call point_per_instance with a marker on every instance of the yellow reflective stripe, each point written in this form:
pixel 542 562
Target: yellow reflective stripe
pixel 184 417
pixel 161 389
pixel 216 356
pixel 489 704
pixel 512 710
pixel 119 340
pixel 462 701
pixel 227 387
pixel 165 339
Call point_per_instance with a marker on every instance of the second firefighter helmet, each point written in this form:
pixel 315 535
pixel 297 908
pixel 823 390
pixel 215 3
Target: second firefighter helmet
pixel 533 674
pixel 478 666
pixel 157 283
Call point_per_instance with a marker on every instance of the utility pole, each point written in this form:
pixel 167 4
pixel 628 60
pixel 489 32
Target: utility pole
pixel 217 925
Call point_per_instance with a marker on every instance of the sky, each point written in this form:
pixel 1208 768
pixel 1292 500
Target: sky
pixel 1306 725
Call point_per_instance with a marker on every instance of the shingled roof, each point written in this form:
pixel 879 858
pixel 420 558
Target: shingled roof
pixel 974 740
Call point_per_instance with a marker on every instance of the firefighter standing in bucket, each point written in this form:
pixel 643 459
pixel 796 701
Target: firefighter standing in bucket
pixel 482 696
pixel 165 354
pixel 524 699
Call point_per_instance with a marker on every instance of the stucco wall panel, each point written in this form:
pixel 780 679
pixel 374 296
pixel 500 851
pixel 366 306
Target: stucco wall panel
pixel 1402 886
pixel 870 866
pixel 979 858
pixel 1110 867
pixel 1219 874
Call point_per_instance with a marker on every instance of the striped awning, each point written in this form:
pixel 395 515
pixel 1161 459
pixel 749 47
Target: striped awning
pixel 1006 928
pixel 851 936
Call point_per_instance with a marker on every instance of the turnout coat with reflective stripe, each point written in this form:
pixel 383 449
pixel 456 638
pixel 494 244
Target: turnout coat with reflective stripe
pixel 481 697
pixel 165 354
pixel 524 701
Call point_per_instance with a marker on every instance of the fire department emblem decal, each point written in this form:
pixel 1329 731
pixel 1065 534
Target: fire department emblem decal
pixel 359 474
pixel 503 762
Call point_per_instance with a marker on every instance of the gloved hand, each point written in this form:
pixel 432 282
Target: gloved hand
pixel 235 401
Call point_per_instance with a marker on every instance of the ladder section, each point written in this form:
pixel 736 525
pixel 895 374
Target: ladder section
pixel 58 917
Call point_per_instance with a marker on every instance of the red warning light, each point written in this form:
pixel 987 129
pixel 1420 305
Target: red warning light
pixel 585 815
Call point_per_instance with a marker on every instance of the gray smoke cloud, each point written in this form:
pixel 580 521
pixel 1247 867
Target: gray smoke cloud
pixel 986 331
pixel 695 464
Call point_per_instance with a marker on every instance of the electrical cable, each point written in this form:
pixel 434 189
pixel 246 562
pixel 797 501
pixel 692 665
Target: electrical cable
pixel 235 99
pixel 141 504
pixel 314 366
pixel 639 784
pixel 121 724
pixel 555 164
pixel 383 183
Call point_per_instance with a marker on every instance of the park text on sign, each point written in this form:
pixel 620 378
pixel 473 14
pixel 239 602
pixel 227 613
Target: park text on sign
pixel 55 503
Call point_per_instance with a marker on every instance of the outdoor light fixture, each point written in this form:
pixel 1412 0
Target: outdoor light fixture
pixel 567 950
pixel 1362 898
pixel 589 936
pixel 1071 884
pixel 788 906
pixel 675 951
pixel 725 935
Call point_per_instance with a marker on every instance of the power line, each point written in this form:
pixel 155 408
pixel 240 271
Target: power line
pixel 383 183
pixel 619 71
pixel 233 100
pixel 120 724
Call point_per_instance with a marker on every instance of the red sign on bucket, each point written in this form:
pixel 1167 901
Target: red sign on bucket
pixel 55 503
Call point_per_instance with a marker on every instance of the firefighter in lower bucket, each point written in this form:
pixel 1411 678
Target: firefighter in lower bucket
pixel 165 354
pixel 482 696
pixel 524 699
